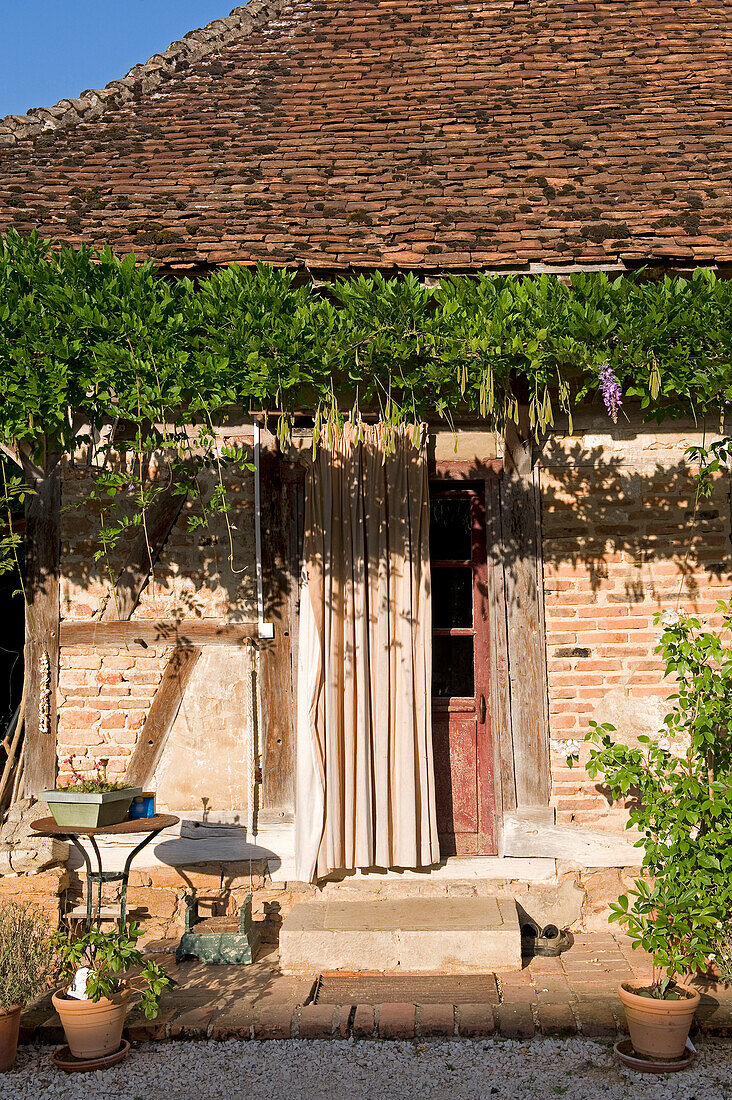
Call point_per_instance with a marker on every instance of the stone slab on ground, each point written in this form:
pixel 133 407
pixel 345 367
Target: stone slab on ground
pixel 448 935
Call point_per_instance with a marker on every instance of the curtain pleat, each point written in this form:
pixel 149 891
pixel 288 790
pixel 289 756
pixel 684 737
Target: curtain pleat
pixel 365 782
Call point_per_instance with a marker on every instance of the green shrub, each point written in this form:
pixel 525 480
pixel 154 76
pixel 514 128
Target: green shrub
pixel 680 788
pixel 25 953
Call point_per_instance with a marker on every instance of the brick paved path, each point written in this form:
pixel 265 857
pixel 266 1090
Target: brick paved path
pixel 576 993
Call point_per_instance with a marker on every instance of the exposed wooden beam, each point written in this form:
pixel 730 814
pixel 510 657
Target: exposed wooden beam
pixel 523 572
pixel 588 847
pixel 500 689
pixel 143 633
pixel 150 540
pixel 282 519
pixel 42 551
pixel 161 715
pixel 11 454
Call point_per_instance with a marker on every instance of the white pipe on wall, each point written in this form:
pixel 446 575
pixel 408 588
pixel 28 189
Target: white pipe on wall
pixel 265 630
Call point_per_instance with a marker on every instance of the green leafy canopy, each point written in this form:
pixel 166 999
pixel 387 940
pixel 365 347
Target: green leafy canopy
pixel 104 353
pixel 88 336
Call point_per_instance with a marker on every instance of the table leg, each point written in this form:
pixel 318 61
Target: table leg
pixel 100 880
pixel 126 873
pixel 89 877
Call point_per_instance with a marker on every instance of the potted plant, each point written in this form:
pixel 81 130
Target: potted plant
pixel 90 801
pixel 24 969
pixel 93 1004
pixel 680 788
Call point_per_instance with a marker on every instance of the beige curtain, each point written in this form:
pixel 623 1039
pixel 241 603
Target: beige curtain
pixel 365 779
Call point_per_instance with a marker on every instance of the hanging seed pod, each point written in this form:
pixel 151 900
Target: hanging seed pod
pixel 565 402
pixel 491 391
pixel 547 411
pixel 655 380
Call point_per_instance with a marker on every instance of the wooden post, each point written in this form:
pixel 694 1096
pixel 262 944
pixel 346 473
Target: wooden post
pixel 161 715
pixel 500 687
pixel 523 568
pixel 281 507
pixel 42 550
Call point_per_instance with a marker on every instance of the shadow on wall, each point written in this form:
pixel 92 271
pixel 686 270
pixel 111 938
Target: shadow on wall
pixel 596 505
pixel 219 868
pixel 600 508
pixel 206 568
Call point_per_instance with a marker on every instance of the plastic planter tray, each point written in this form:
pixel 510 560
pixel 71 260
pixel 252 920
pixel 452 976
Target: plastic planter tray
pixel 75 809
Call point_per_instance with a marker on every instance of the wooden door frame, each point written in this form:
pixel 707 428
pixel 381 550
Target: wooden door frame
pixel 487 814
pixel 499 701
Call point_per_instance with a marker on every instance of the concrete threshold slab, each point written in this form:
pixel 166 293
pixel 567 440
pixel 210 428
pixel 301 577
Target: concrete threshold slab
pixel 457 869
pixel 413 935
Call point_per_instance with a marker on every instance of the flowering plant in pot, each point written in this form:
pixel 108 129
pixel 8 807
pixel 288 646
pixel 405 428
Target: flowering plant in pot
pixel 679 787
pixel 25 969
pixel 90 801
pixel 94 1006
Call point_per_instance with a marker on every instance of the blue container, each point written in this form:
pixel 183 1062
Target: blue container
pixel 143 805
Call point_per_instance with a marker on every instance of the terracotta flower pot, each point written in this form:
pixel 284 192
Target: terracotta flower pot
pixel 658 1028
pixel 9 1027
pixel 92 1028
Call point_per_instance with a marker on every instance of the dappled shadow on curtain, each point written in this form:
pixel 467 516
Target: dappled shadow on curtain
pixel 366 555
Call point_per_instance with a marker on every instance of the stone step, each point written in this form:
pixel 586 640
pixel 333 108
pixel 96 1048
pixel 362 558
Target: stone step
pixel 412 935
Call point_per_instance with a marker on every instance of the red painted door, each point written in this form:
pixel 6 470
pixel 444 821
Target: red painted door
pixel 461 726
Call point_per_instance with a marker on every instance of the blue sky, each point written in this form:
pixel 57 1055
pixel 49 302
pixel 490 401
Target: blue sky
pixel 54 49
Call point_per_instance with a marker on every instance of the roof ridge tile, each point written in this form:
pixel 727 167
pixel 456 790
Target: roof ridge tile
pixel 147 76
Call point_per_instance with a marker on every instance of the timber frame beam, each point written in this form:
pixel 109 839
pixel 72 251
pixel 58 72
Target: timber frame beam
pixel 524 587
pixel 143 633
pixel 162 713
pixel 42 568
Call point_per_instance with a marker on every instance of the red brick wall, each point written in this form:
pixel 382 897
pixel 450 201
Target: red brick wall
pixel 104 697
pixel 619 545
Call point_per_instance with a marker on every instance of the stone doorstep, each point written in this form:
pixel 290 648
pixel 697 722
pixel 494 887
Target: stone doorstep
pixel 412 935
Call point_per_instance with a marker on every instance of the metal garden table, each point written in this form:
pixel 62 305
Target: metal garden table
pixel 151 826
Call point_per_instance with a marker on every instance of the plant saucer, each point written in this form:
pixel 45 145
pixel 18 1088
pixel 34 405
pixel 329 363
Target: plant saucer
pixel 63 1059
pixel 624 1050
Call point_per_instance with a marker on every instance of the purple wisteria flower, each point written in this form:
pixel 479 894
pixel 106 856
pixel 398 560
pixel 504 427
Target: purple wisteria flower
pixel 612 394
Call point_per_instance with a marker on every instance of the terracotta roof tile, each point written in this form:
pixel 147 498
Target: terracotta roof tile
pixel 432 134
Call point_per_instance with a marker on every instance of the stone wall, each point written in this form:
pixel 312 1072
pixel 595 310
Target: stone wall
pixel 577 898
pixel 620 542
pixel 32 868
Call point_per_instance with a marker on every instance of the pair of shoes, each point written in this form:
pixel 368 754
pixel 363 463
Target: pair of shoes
pixel 547 942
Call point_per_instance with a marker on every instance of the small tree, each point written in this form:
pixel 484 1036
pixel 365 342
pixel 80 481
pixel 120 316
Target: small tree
pixel 681 789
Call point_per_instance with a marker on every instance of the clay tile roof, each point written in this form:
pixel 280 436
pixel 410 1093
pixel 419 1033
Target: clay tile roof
pixel 426 134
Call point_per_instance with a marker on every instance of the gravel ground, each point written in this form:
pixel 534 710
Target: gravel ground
pixel 576 1069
